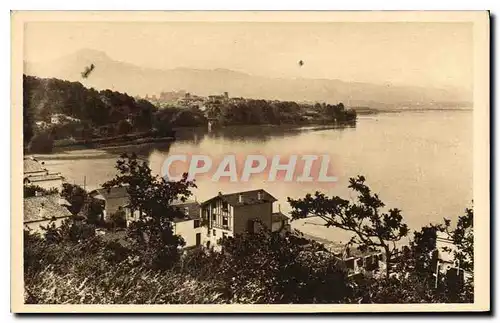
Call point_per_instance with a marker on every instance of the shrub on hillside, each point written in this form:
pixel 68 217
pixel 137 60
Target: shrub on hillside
pixel 41 143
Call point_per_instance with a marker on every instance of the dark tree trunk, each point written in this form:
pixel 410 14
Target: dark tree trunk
pixel 387 262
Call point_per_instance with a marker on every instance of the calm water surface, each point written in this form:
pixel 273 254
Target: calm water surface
pixel 419 162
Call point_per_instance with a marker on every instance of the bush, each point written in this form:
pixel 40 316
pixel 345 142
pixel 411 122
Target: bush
pixel 118 219
pixel 34 190
pixel 123 127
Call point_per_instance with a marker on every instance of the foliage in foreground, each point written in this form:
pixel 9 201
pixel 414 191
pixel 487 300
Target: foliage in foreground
pixel 365 219
pixel 65 267
pixel 70 264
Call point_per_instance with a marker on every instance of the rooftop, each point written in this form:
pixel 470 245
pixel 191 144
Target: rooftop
pixel 120 192
pixel 115 197
pixel 32 165
pixel 247 198
pixel 192 208
pixel 112 192
pixel 278 217
pixel 40 208
pixel 43 177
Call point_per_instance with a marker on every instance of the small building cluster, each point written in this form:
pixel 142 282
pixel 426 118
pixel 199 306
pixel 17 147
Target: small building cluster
pixel 223 215
pixel 60 118
pixel 189 100
pixel 40 210
pixel 36 174
pixel 199 224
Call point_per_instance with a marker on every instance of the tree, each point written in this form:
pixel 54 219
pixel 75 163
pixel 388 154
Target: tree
pixel 463 238
pixel 144 119
pixel 41 143
pixel 76 196
pixel 372 228
pixel 152 197
pixel 118 219
pixel 423 246
pixel 28 121
pixel 123 127
pixel 422 259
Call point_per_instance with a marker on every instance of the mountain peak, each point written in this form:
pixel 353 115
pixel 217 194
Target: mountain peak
pixel 91 55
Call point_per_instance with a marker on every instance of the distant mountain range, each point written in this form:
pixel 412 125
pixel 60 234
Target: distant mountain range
pixel 136 80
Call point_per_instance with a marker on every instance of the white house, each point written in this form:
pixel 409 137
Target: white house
pixel 189 227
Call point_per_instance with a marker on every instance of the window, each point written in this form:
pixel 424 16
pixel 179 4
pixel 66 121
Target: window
pixel 186 210
pixel 250 226
pixel 214 232
pixel 198 239
pixel 225 221
pixel 196 223
pixel 224 235
pixel 225 206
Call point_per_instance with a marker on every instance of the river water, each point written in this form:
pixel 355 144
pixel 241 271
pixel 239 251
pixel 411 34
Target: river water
pixel 419 162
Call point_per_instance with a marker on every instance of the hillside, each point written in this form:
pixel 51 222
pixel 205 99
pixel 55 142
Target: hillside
pixel 64 110
pixel 136 80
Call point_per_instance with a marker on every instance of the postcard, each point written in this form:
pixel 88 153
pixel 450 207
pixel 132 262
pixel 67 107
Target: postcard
pixel 252 162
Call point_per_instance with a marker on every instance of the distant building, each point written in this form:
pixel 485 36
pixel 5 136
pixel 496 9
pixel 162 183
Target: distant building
pixel 218 98
pixel 113 200
pixel 41 210
pixel 42 124
pixel 187 224
pixel 172 96
pixel 279 222
pixel 445 260
pixel 212 123
pixel 59 118
pixel 357 264
pixel 229 214
pixel 55 119
pixel 36 174
pixel 237 100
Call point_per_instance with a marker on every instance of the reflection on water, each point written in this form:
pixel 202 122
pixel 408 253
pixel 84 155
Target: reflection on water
pixel 258 133
pixel 418 162
pixel 236 134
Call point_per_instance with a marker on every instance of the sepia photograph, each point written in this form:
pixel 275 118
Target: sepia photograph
pixel 229 160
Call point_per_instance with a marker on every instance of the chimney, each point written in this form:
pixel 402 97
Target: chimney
pixel 41 211
pixel 240 198
pixel 259 195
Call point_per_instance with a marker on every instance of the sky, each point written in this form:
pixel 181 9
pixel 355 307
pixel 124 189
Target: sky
pixel 400 53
